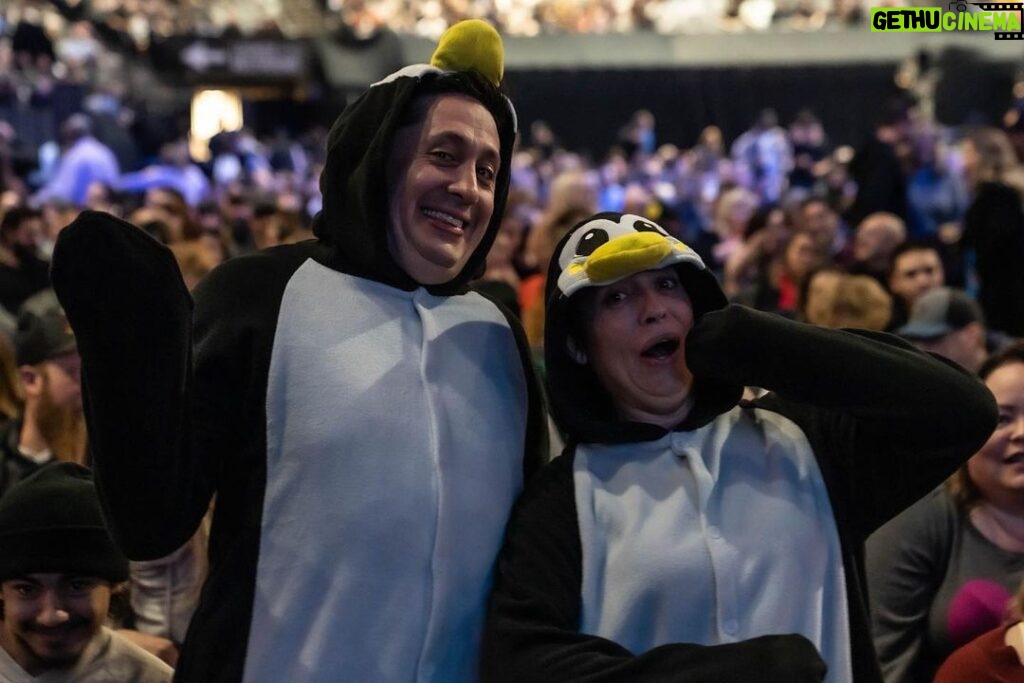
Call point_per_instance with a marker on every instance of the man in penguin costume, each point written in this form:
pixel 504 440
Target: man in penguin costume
pixel 686 535
pixel 363 419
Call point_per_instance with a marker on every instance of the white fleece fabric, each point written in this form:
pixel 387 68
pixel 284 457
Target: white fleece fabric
pixel 378 540
pixel 710 537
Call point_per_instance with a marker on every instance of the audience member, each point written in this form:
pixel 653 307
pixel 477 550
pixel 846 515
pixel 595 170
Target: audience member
pixel 734 210
pixel 51 427
pixel 874 242
pixel 996 656
pixel 936 192
pixel 173 211
pixel 58 569
pixel 994 227
pixel 948 322
pixel 11 400
pixel 571 200
pixel 767 154
pixel 778 288
pixel 84 160
pixel 682 536
pixel 22 271
pixel 807 135
pixel 767 233
pixel 818 295
pixel 940 573
pixel 195 261
pixel 860 302
pixel 823 224
pixel 915 268
pixel 176 170
pixel 877 168
pixel 57 215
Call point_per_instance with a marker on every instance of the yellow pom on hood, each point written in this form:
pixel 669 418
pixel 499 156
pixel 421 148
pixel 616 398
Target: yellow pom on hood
pixel 471 44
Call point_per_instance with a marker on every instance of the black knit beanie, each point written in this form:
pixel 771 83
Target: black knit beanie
pixel 50 522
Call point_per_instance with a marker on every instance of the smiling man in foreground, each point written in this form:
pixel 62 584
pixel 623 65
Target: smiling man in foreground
pixel 364 420
pixel 58 567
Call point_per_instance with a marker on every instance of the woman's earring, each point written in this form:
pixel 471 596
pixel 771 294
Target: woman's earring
pixel 578 356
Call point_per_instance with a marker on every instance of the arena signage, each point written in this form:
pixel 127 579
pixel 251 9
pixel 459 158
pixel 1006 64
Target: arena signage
pixel 231 61
pixel 1001 18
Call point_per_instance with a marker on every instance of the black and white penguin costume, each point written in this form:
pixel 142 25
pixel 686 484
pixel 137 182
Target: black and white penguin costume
pixel 693 554
pixel 365 436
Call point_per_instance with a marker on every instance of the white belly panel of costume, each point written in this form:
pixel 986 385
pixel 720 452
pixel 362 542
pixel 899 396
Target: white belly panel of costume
pixel 395 433
pixel 712 536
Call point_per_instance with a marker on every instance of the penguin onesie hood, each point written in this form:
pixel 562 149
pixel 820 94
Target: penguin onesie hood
pixel 362 437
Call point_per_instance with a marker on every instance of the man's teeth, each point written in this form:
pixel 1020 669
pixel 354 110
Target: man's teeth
pixel 447 218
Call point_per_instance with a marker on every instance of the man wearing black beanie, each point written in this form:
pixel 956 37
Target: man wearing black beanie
pixel 58 566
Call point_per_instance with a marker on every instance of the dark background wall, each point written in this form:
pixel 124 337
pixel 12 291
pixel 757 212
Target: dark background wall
pixel 586 107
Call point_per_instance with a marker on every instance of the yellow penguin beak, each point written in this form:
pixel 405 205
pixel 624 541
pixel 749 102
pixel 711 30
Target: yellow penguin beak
pixel 626 255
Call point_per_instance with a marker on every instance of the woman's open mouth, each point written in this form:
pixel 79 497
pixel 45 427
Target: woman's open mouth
pixel 661 349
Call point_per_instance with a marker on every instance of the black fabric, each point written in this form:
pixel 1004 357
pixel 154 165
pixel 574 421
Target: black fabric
pixel 881 185
pixel 537 449
pixel 13 465
pixel 886 422
pixel 51 522
pixel 21 282
pixel 192 389
pixel 994 230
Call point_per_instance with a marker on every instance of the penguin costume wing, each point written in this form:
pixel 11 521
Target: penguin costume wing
pixel 365 436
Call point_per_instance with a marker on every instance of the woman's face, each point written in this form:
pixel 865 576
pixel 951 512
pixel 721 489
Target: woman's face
pixel 998 468
pixel 776 231
pixel 637 331
pixel 739 215
pixel 801 256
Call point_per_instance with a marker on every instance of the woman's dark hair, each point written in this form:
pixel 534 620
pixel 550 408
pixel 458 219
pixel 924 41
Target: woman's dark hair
pixel 759 220
pixel 965 492
pixel 1014 353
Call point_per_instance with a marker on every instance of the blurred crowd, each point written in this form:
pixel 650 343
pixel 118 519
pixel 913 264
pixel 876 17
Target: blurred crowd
pixel 765 209
pixel 138 23
pixel 917 230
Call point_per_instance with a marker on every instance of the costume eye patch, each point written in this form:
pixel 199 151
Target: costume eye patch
pixel 591 240
pixel 646 226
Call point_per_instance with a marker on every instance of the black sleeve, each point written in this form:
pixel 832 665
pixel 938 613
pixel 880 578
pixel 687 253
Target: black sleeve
pixel 131 313
pixel 532 631
pixel 888 422
pixel 994 228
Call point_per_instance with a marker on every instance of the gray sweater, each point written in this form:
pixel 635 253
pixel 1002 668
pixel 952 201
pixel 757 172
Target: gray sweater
pixel 918 565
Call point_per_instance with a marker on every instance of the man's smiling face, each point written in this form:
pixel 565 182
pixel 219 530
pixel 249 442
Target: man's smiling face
pixel 48 619
pixel 441 180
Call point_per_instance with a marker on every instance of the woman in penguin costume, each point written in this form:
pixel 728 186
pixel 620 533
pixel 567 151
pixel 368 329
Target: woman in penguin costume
pixel 685 534
pixel 364 420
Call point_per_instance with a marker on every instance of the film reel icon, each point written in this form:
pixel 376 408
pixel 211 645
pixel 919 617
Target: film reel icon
pixel 996 7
